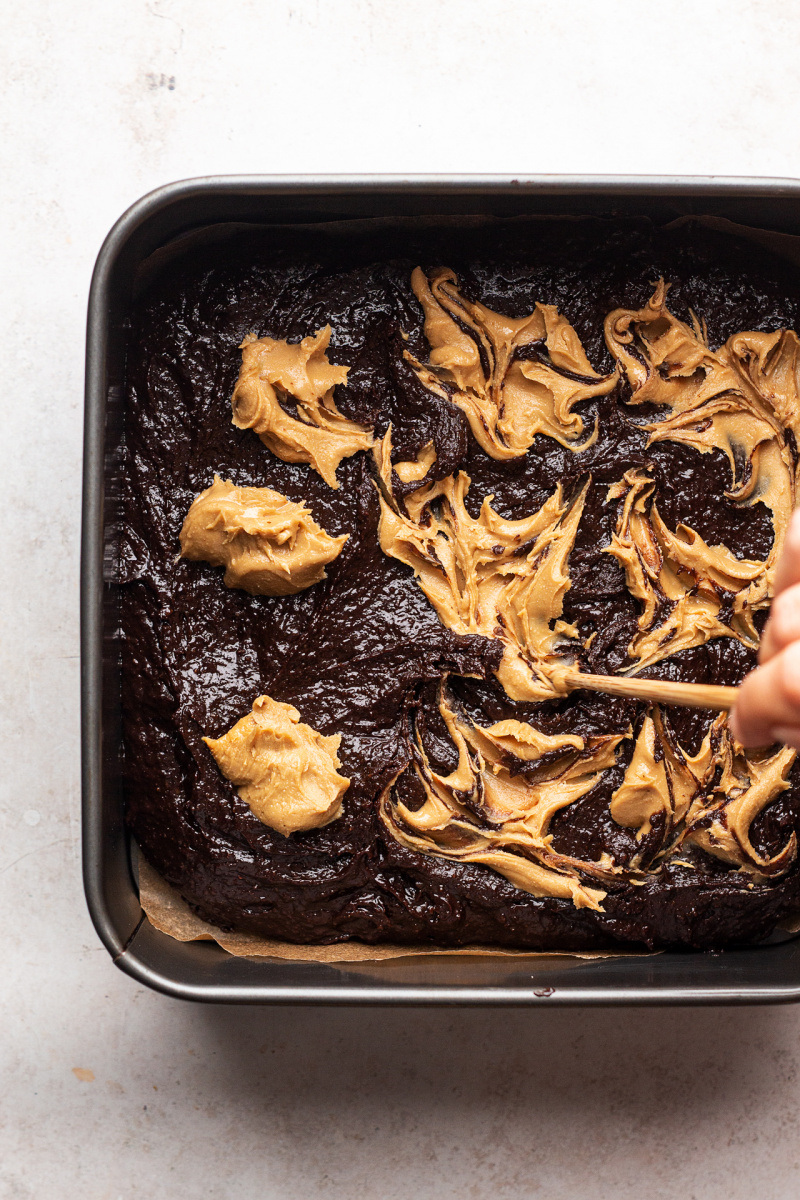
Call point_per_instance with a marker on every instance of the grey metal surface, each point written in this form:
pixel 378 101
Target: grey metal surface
pixel 202 971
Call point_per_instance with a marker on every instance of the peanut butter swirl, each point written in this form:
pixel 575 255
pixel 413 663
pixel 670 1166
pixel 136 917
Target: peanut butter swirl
pixel 284 393
pixel 482 813
pixel 487 812
pixel 734 788
pixel 661 781
pixel 512 377
pixel 507 580
pixel 284 770
pixel 740 399
pixel 709 800
pixel 499 578
pixel 269 545
pixel 683 583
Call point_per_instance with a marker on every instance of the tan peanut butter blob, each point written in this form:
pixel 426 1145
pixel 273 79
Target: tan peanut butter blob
pixel 481 813
pixel 269 546
pixel 499 578
pixel 284 770
pixel 507 399
pixel 276 375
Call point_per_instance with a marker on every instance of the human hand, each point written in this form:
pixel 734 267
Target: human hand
pixel 768 709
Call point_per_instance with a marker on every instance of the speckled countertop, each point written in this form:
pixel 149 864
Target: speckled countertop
pixel 110 1091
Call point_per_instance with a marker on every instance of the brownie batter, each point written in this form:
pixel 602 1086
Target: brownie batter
pixel 362 654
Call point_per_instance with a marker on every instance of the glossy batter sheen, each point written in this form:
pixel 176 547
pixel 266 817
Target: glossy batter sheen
pixel 363 653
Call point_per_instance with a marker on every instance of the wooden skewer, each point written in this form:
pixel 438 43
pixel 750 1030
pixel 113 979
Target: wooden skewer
pixel 657 691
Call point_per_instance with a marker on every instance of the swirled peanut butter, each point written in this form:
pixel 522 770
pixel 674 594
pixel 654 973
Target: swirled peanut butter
pixel 269 545
pixel 483 813
pixel 682 583
pixel 500 578
pixel 284 393
pixel 709 800
pixel 736 787
pixel 662 781
pixel 415 471
pixel 284 770
pixel 486 812
pixel 740 399
pixel 644 791
pixel 512 377
pixel 770 362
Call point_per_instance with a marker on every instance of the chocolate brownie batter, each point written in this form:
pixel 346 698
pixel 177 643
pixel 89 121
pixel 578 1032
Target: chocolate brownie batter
pixel 363 654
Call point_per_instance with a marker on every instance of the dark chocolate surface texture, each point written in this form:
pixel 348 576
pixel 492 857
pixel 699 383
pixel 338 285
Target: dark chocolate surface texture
pixel 360 651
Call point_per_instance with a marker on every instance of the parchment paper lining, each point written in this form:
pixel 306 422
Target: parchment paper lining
pixel 168 912
pixel 163 906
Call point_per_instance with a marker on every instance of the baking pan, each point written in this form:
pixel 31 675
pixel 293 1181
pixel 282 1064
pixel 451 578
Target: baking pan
pixel 767 973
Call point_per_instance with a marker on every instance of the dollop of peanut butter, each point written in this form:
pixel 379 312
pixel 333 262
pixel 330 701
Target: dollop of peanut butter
pixel 277 376
pixel 269 545
pixel 284 770
pixel 512 377
pixel 500 578
pixel 482 813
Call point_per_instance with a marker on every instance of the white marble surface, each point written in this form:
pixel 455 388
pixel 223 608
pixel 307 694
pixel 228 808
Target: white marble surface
pixel 108 1090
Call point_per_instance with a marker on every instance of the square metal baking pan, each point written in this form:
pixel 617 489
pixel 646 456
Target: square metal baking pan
pixel 201 970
